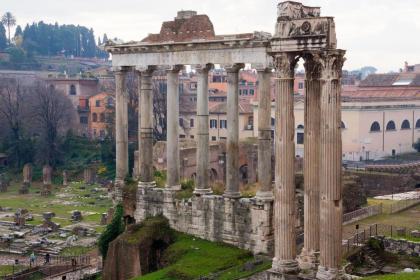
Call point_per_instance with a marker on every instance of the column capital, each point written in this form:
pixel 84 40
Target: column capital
pixel 146 70
pixel 173 68
pixel 233 68
pixel 312 68
pixel 120 69
pixel 331 64
pixel 199 68
pixel 285 64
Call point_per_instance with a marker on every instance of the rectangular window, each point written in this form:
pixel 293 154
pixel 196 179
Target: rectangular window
pixel 191 122
pixel 98 103
pixel 299 137
pixel 213 123
pixel 300 85
pixel 240 92
pixel 223 124
pixel 181 122
pixel 251 92
pixel 245 92
pixel 213 138
pixel 83 120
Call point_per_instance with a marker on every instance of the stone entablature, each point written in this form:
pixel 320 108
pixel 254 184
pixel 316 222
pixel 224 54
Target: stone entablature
pixel 245 223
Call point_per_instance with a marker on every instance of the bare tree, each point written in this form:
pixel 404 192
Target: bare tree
pixel 54 114
pixel 159 110
pixel 9 20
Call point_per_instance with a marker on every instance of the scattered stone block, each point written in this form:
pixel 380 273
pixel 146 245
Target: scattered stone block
pixel 415 233
pixel 76 216
pixel 80 231
pixel 48 216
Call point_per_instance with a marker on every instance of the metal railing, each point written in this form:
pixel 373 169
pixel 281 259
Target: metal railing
pixel 362 236
pixel 402 205
pixel 362 213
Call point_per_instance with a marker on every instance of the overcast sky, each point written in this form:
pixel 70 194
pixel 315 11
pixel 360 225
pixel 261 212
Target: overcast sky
pixel 381 33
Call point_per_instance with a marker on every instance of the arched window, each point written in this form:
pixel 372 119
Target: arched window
pixel 343 125
pixel 102 117
pixel 300 126
pixel 418 124
pixel 405 124
pixel 73 90
pixel 375 127
pixel 273 121
pixel 390 125
pixel 94 117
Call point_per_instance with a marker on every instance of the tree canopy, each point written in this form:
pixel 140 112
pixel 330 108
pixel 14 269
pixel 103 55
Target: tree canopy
pixel 53 39
pixel 3 38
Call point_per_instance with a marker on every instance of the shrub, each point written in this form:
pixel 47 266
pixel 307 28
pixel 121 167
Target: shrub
pixel 115 228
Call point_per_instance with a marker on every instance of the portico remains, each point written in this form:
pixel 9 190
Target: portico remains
pixel 266 223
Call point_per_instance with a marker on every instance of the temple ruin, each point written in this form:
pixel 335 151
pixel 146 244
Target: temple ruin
pixel 265 223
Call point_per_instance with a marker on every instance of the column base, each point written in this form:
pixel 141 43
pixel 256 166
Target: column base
pixel 173 188
pixel 330 274
pixel 285 266
pixel 273 274
pixel 147 184
pixel 232 194
pixel 265 195
pixel 308 263
pixel 203 191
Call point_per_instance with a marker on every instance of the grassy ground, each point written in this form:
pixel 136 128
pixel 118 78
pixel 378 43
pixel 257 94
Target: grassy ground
pixel 9 269
pixel 400 276
pixel 195 257
pixel 62 202
pixel 409 218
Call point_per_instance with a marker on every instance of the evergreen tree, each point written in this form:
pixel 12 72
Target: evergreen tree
pixel 99 41
pixel 3 38
pixel 105 39
pixel 18 31
pixel 115 228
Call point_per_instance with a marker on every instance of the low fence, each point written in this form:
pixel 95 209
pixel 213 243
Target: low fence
pixel 362 213
pixel 363 235
pixel 56 264
pixel 402 205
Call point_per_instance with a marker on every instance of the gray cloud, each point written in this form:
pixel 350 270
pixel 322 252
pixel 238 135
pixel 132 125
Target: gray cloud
pixel 382 33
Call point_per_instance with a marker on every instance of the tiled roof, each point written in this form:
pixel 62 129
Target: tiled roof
pixel 380 93
pixel 378 80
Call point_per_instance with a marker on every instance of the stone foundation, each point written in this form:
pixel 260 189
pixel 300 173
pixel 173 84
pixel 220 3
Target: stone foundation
pixel 245 222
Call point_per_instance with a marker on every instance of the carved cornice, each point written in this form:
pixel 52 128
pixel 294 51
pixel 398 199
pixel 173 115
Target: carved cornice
pixel 331 64
pixel 285 64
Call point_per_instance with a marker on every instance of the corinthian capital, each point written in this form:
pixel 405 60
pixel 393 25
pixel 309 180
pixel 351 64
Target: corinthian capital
pixel 312 67
pixel 331 64
pixel 285 64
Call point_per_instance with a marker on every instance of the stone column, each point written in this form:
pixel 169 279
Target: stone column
pixel 202 181
pixel 284 261
pixel 264 135
pixel 331 206
pixel 309 257
pixel 121 133
pixel 146 128
pixel 172 138
pixel 232 145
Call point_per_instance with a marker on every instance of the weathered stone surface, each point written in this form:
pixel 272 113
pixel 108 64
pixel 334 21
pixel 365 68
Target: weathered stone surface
pixel 246 223
pixel 138 250
pixel 89 175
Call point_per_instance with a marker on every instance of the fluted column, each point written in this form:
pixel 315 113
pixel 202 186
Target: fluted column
pixel 264 135
pixel 121 133
pixel 202 181
pixel 146 127
pixel 172 138
pixel 232 148
pixel 309 256
pixel 331 206
pixel 284 193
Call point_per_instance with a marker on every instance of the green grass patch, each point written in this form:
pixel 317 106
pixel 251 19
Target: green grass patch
pixel 10 269
pixel 190 257
pixel 75 251
pixel 399 276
